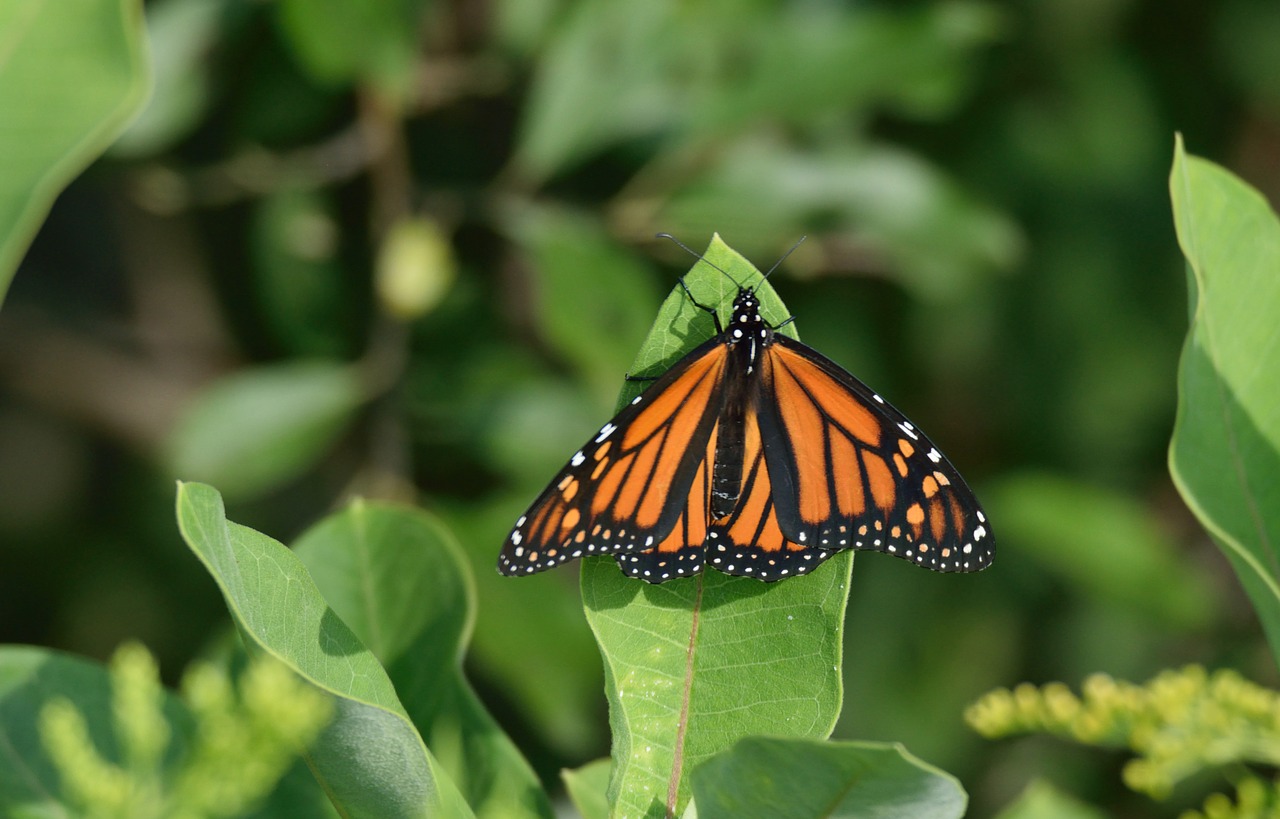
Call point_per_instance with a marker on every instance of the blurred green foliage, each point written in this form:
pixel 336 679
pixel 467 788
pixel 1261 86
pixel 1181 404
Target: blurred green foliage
pixel 990 246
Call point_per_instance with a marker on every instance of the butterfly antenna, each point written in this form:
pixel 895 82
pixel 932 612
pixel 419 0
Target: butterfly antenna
pixel 799 242
pixel 695 254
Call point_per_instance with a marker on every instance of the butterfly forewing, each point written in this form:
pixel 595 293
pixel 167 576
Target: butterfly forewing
pixel 851 472
pixel 625 488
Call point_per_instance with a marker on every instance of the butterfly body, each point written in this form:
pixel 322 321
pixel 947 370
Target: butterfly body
pixel 759 455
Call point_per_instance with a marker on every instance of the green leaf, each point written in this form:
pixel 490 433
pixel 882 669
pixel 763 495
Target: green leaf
pixel 397 577
pixel 1107 544
pixel 71 76
pixel 802 778
pixel 260 427
pixel 588 788
pixel 695 664
pixel 1223 456
pixel 341 43
pixel 182 34
pixel 1043 801
pixel 371 760
pixel 543 660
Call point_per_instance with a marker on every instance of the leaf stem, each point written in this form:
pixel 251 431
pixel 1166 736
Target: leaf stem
pixel 677 764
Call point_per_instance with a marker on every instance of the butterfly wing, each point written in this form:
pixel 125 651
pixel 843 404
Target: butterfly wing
pixel 681 552
pixel 848 471
pixel 627 488
pixel 748 541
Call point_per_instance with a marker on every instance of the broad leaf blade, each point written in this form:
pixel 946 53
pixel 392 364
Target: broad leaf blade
pixel 695 664
pixel 71 76
pixel 787 778
pixel 1223 456
pixel 370 759
pixel 397 578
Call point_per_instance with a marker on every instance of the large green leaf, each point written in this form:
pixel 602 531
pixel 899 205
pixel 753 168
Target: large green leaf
pixel 72 73
pixel 695 664
pixel 371 760
pixel 397 578
pixel 1223 456
pixel 799 778
pixel 544 662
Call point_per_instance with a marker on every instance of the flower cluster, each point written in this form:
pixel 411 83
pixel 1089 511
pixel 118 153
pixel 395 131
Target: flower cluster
pixel 1177 723
pixel 239 741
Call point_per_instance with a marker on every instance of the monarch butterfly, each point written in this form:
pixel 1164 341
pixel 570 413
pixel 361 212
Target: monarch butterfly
pixel 759 455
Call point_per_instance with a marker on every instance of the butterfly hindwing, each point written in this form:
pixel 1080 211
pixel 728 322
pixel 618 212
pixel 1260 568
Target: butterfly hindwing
pixel 851 472
pixel 625 489
pixel 748 542
pixel 681 552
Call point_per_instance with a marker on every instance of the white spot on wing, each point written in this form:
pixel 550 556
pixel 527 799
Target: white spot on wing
pixel 516 537
pixel 606 432
pixel 935 455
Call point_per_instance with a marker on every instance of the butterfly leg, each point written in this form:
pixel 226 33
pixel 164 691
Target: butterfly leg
pixel 715 314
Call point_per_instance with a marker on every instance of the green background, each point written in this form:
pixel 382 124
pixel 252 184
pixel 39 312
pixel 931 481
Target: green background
pixel 991 246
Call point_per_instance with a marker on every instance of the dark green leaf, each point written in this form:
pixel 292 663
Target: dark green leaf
pixel 297 272
pixel 181 33
pixel 371 760
pixel 531 640
pixel 937 239
pixel 799 779
pixel 71 76
pixel 1223 456
pixel 398 579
